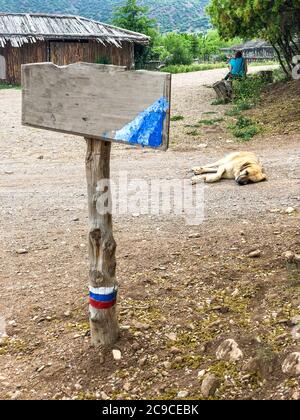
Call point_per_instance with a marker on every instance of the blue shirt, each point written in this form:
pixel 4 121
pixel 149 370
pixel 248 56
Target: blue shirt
pixel 237 66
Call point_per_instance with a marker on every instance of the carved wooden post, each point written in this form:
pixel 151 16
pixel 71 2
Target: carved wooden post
pixel 102 246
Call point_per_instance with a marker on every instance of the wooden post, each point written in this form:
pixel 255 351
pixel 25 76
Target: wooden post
pixel 102 247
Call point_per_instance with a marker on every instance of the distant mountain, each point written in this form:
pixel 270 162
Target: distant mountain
pixel 172 15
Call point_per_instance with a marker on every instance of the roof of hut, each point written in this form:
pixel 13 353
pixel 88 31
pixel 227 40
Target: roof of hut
pixel 249 45
pixel 21 28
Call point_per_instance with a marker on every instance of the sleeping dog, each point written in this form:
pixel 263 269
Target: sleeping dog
pixel 243 167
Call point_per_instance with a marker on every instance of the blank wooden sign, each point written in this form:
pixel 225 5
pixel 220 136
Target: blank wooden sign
pixel 98 101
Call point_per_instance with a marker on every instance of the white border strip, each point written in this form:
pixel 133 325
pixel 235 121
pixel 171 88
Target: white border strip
pixel 103 290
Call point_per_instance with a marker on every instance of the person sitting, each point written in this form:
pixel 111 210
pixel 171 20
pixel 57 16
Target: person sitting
pixel 238 67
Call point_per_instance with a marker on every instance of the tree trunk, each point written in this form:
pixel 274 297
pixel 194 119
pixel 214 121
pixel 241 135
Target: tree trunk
pixel 223 90
pixel 102 246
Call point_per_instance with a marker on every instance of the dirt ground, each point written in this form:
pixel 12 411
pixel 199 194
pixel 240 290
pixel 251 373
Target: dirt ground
pixel 183 289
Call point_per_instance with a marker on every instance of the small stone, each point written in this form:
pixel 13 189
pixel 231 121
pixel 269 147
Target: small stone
pixel 22 251
pixel 14 395
pixel 142 361
pixel 288 256
pixel 182 394
pixel 255 254
pixel 209 385
pixel 127 386
pixel 76 219
pixel 291 365
pixel 172 336
pixel 78 387
pixel 117 355
pixel 175 350
pixel 290 210
pixel 41 157
pixel 195 235
pixel 167 365
pixel 297 258
pixel 140 326
pixel 104 396
pixel 9 172
pixel 67 314
pixel 229 350
pixel 201 373
pixel 40 369
pixel 296 396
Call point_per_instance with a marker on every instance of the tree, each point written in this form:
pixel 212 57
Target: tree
pixel 178 47
pixel 135 18
pixel 277 21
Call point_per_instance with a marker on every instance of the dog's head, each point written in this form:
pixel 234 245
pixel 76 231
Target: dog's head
pixel 250 173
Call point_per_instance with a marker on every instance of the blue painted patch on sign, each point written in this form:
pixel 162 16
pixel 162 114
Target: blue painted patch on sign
pixel 147 128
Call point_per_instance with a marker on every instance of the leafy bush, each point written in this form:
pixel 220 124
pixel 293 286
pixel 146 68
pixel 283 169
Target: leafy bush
pixel 279 76
pixel 245 128
pixel 248 90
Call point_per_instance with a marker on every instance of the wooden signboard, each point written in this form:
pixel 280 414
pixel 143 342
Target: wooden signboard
pixel 98 101
pixel 104 104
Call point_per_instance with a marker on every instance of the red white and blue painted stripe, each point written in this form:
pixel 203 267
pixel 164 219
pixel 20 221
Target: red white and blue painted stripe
pixel 103 297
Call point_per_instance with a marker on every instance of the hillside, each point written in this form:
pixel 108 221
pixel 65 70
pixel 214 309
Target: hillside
pixel 172 15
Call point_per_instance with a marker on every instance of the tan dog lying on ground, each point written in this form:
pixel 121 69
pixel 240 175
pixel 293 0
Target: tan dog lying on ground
pixel 244 167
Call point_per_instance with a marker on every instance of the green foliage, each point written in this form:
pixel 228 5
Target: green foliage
pixel 175 69
pixel 179 49
pixel 4 86
pixel 244 128
pixel 247 91
pixel 212 121
pixel 279 76
pixel 277 21
pixel 172 15
pixel 177 118
pixel 217 102
pixel 176 48
pixel 135 18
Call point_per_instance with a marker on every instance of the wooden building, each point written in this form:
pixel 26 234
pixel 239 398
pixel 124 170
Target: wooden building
pixel 31 38
pixel 258 50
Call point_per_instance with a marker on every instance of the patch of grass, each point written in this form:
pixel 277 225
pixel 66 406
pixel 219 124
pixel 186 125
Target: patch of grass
pixel 177 118
pixel 182 68
pixel 219 102
pixel 193 133
pixel 209 113
pixel 238 108
pixel 212 121
pixel 264 63
pixel 245 128
pixel 248 89
pixel 279 76
pixel 5 86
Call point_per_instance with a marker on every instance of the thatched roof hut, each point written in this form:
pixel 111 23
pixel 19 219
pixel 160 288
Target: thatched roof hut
pixel 253 50
pixel 62 39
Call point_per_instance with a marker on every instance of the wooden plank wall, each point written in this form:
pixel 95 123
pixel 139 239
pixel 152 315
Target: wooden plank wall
pixel 29 53
pixel 63 53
